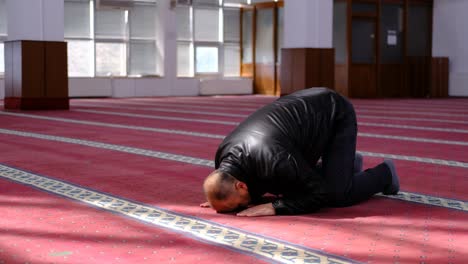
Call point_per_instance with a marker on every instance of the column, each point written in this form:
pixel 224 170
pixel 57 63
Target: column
pixel 36 74
pixel 308 54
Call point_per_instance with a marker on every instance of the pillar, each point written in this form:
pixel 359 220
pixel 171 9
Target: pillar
pixel 36 74
pixel 307 57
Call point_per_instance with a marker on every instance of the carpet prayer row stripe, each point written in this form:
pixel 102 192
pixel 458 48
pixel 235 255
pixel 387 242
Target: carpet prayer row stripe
pixel 235 123
pixel 438 129
pixel 83 122
pixel 415 139
pixel 415 119
pixel 182 111
pixel 208 135
pixel 150 107
pixel 243 241
pixel 423 199
pixel 103 124
pixel 161 117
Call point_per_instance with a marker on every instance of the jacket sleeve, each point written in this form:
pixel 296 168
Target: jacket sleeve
pixel 302 185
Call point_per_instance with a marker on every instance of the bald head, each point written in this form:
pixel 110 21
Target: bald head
pixel 224 192
pixel 219 185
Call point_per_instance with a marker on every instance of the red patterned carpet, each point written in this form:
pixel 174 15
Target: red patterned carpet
pixel 119 181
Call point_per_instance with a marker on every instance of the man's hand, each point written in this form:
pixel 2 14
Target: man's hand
pixel 258 210
pixel 205 205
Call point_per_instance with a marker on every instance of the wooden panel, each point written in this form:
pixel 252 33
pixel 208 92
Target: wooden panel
pixel 320 68
pixel 278 80
pixel 362 81
pixel 292 71
pixel 247 70
pixel 341 79
pixel 391 81
pixel 303 68
pixel 56 73
pixel 417 76
pixel 32 65
pixel 264 79
pixel 439 77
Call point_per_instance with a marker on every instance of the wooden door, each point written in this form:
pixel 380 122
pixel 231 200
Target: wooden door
pixel 391 50
pixel 363 65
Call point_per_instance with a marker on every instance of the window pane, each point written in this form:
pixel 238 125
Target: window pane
pixel 2 57
pixel 183 23
pixel 206 2
pixel 111 59
pixel 247 44
pixel 77 20
pixel 264 43
pixel 232 60
pixel 110 24
pixel 207 59
pixel 418 30
pixel 364 8
pixel 143 21
pixel 234 2
pixel 391 26
pixel 339 31
pixel 184 60
pixel 3 18
pixel 206 24
pixel 232 25
pixel 260 1
pixel 80 58
pixel 280 32
pixel 143 58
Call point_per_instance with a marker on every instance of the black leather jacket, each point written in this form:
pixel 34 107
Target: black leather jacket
pixel 275 150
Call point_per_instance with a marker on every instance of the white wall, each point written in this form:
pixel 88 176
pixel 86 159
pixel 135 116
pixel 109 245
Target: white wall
pixel 35 19
pixel 308 24
pixel 450 39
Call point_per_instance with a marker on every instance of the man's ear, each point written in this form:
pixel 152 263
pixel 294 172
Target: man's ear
pixel 241 185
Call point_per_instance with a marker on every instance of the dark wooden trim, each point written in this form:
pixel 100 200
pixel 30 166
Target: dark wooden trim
pixel 40 103
pixel 378 68
pixel 275 49
pixel 265 5
pixel 349 32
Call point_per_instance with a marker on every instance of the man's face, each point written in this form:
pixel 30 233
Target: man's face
pixel 236 201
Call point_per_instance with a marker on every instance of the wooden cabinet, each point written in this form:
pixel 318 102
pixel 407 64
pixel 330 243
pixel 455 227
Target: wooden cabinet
pixel 36 75
pixel 439 77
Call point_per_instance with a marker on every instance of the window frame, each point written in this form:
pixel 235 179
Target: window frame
pixel 126 40
pixel 220 44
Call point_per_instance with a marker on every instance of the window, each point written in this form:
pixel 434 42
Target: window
pixel 208 38
pixel 110 42
pixel 184 41
pixel 111 46
pixel 3 34
pixel 207 59
pixel 232 38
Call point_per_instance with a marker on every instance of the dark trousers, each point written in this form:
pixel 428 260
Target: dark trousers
pixel 343 186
